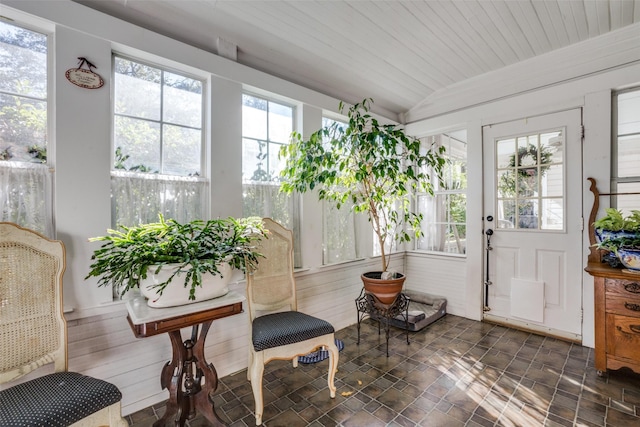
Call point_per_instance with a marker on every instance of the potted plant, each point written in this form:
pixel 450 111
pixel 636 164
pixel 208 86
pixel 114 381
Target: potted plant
pixel 376 168
pixel 616 232
pixel 199 255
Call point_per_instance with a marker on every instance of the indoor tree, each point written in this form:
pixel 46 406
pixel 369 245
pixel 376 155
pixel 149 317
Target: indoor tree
pixel 375 167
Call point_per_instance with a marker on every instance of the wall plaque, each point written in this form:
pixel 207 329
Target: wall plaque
pixel 84 78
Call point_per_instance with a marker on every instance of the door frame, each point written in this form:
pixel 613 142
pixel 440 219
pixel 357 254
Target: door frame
pixel 486 315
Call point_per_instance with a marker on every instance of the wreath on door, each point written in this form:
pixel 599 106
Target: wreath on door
pixel 525 166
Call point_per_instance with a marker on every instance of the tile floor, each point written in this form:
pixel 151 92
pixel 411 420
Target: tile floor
pixel 457 372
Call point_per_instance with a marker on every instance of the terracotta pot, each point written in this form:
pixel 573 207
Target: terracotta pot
pixel 386 290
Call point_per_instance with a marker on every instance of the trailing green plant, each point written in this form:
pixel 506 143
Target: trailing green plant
pixel 615 221
pixel 196 248
pixel 374 167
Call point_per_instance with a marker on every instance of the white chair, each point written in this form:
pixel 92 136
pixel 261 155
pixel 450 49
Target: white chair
pixel 33 333
pixel 278 330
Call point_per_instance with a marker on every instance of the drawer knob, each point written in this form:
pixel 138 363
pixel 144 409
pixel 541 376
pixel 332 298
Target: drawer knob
pixel 632 307
pixel 634 288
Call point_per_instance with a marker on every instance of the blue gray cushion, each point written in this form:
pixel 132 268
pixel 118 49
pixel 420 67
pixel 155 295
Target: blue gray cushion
pixel 277 329
pixel 55 400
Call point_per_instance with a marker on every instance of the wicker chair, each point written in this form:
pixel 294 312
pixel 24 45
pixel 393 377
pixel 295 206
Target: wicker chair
pixel 33 333
pixel 278 330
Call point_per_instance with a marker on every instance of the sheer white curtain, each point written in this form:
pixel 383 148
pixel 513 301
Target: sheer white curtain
pixel 26 195
pixel 138 198
pixel 339 232
pixel 266 200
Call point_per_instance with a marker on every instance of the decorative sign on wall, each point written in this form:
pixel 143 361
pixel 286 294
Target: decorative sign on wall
pixel 85 78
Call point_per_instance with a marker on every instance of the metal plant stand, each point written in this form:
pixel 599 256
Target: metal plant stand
pixel 368 304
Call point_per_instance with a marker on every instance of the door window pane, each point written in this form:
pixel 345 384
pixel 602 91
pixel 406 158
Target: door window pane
pixel 527 177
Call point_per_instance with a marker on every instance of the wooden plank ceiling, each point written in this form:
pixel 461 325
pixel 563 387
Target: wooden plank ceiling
pixel 397 52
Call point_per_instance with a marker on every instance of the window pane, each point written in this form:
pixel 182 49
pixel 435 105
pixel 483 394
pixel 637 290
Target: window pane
pixel 629 113
pixel 528 213
pixel 552 214
pixel 629 155
pixel 627 203
pixel 137 89
pixel 280 122
pixel 339 237
pixel 23 129
pixel 254 160
pixel 254 117
pixel 552 182
pixel 137 145
pixel 23 61
pixel 182 100
pixel 506 213
pixel 181 151
pixel 505 150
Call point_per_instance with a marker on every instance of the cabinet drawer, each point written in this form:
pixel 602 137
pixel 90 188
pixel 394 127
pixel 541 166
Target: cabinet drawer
pixel 625 306
pixel 628 288
pixel 622 297
pixel 623 336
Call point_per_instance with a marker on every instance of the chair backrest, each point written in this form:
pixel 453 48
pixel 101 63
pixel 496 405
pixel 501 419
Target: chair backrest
pixel 33 330
pixel 271 286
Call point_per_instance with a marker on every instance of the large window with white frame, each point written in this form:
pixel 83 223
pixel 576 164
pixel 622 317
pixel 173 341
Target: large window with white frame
pixel 339 239
pixel 626 148
pixel 25 171
pixel 444 213
pixel 158 144
pixel 266 126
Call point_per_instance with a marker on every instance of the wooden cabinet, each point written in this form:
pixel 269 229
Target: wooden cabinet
pixel 617 318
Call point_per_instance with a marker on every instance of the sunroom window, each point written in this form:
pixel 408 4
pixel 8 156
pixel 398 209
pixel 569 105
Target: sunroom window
pixel 157 145
pixel 25 172
pixel 267 126
pixel 444 213
pixel 626 148
pixel 338 224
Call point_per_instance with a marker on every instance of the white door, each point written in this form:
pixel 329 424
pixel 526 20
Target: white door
pixel 533 207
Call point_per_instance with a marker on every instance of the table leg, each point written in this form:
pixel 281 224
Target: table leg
pixel 177 407
pixel 183 378
pixel 202 399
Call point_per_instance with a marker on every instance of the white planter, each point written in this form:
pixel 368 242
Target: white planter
pixel 176 293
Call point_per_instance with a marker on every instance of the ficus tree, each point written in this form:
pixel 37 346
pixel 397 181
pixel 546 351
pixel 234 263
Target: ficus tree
pixel 375 167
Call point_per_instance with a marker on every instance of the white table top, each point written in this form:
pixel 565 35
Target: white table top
pixel 140 313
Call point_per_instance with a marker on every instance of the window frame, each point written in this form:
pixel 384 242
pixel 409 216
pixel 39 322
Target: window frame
pixel 203 108
pixel 204 174
pixel 616 180
pixel 48 228
pixel 444 192
pixel 296 199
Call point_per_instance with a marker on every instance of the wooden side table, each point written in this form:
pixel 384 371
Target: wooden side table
pixel 183 375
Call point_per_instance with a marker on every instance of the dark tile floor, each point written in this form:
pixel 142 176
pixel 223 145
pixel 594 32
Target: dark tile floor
pixel 457 372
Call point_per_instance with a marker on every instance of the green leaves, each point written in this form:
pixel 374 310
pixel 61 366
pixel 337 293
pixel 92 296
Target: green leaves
pixel 377 167
pixel 615 221
pixel 197 247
